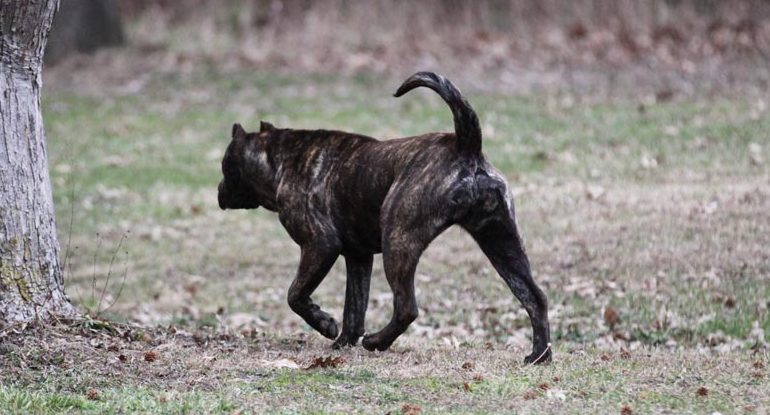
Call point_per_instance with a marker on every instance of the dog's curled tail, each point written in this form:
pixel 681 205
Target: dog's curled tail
pixel 467 126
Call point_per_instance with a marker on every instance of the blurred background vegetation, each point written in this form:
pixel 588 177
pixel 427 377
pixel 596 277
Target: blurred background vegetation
pixel 689 46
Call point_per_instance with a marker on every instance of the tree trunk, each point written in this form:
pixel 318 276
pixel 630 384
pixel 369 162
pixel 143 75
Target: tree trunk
pixel 30 272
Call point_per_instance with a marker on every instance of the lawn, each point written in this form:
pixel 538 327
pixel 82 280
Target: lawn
pixel 646 224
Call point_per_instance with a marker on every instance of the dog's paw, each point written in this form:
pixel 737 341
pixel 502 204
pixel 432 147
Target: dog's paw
pixel 328 328
pixel 368 343
pixel 344 341
pixel 538 358
pixel 373 342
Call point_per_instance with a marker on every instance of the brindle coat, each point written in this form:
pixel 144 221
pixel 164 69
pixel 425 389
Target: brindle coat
pixel 338 193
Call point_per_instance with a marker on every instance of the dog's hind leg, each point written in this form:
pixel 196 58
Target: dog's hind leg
pixel 359 274
pixel 314 264
pixel 499 239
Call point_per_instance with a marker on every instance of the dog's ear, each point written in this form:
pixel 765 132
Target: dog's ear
pixel 265 126
pixel 238 131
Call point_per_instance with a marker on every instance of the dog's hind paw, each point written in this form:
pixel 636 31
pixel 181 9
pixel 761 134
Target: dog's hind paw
pixel 373 342
pixel 538 358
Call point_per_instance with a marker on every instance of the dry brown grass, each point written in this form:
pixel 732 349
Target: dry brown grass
pixel 266 374
pixel 683 47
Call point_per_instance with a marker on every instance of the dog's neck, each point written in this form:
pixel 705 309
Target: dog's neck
pixel 275 157
pixel 260 163
pixel 278 158
pixel 285 153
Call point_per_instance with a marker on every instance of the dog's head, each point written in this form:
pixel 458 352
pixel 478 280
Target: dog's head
pixel 248 174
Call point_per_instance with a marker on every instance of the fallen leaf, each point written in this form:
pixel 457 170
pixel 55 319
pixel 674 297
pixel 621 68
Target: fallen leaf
pixel 702 391
pixel 150 356
pixel 544 386
pixel 92 394
pixel 611 317
pixel 410 409
pixel 626 410
pixel 620 336
pixel 467 386
pixel 577 31
pixel 478 377
pixel 664 95
pixel 468 365
pixel 530 394
pixel 191 289
pixel 328 361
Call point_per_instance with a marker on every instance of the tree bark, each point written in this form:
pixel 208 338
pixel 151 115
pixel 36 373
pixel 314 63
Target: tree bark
pixel 31 284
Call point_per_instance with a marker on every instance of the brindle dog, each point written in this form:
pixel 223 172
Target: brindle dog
pixel 338 193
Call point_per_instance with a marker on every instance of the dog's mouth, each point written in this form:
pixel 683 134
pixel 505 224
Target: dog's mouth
pixel 234 200
pixel 222 196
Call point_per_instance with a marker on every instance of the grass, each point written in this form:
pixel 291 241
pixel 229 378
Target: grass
pixel 655 210
pixel 225 374
pixel 111 401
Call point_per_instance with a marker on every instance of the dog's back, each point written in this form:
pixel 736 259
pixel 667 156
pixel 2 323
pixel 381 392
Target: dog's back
pixel 346 181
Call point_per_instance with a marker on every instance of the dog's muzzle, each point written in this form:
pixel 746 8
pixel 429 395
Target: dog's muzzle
pixel 222 196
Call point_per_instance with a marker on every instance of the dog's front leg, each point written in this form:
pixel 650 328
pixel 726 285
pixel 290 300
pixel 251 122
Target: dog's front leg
pixel 359 274
pixel 314 264
pixel 400 261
